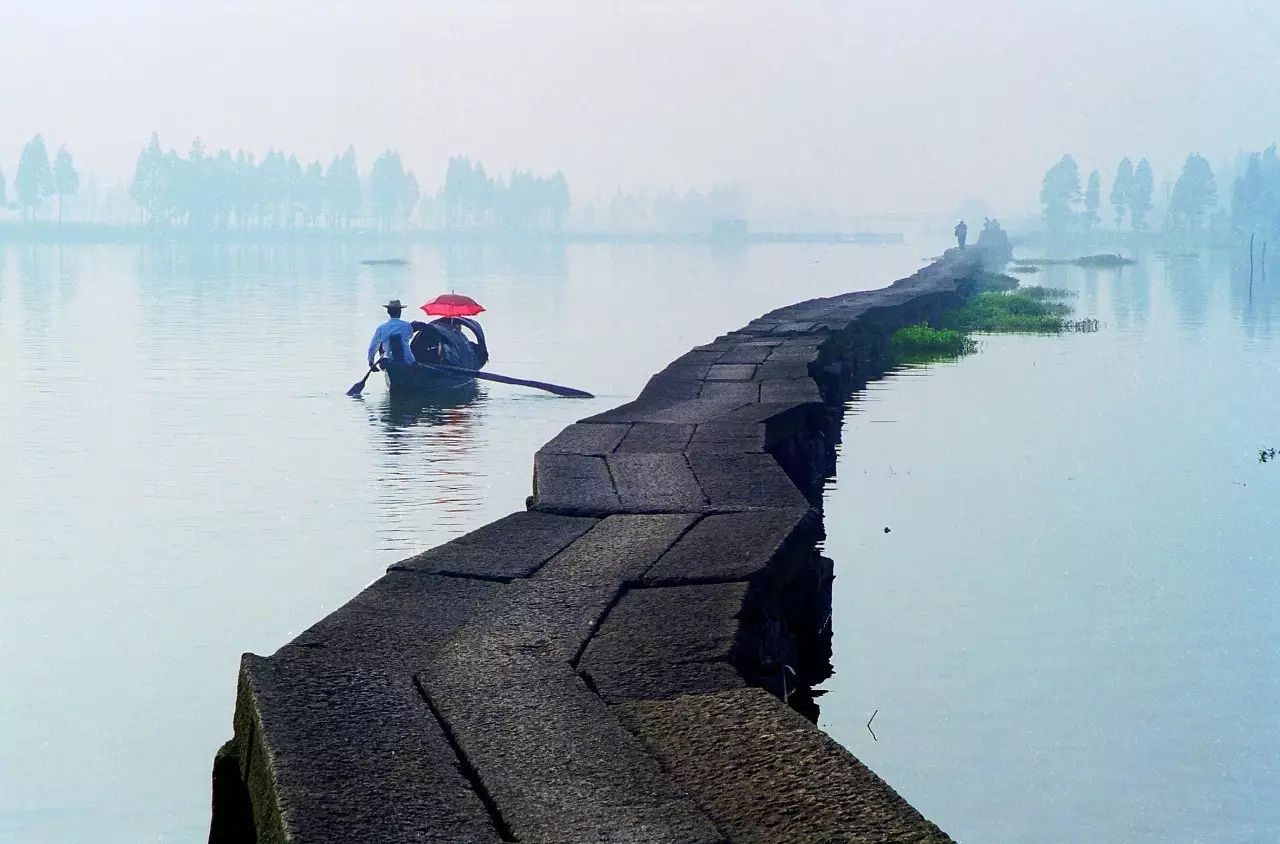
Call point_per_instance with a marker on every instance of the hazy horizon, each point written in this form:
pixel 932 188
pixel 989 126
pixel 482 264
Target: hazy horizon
pixel 824 106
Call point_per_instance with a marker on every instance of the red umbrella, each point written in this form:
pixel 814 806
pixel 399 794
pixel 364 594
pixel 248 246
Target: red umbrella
pixel 452 305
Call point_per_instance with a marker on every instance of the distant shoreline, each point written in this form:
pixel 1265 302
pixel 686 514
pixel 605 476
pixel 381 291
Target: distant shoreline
pixel 100 233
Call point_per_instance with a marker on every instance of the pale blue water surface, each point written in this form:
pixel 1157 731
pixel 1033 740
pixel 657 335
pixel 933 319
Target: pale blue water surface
pixel 1072 630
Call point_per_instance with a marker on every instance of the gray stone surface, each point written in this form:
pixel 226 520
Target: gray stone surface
pixel 739 392
pixel 345 750
pixel 573 485
pixel 552 757
pixel 766 775
pixel 556 762
pixel 735 546
pixel 652 639
pixel 655 483
pixel 337 744
pixel 650 437
pixel 586 439
pixel 728 438
pixel 514 546
pixel 749 352
pixel 789 389
pixel 742 481
pixel 731 372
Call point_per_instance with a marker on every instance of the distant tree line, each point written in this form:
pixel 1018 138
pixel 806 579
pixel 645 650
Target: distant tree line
pixel 204 190
pixel 692 212
pixel 1192 202
pixel 472 199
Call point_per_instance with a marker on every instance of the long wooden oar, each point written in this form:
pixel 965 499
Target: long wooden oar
pixel 569 392
pixel 357 387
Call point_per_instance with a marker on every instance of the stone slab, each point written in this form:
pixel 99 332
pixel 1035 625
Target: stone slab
pixel 669 411
pixel 767 775
pixel 731 372
pixel 782 369
pixel 655 483
pixel 727 438
pixel 573 485
pixel 654 437
pixel 736 393
pixel 736 546
pixel 555 761
pixel 790 389
pixel 342 750
pixel 513 546
pixel 746 353
pixel 667 641
pixel 745 481
pixel 586 439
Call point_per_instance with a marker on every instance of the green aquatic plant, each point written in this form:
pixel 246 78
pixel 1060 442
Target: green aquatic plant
pixel 924 344
pixel 1011 312
pixel 1045 293
pixel 997 282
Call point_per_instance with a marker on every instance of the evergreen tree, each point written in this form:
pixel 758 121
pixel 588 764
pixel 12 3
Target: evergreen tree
pixel 1092 198
pixel 148 178
pixel 312 191
pixel 387 187
pixel 1122 190
pixel 1195 195
pixel 342 187
pixel 66 181
pixel 1140 200
pixel 411 193
pixel 1060 194
pixel 34 179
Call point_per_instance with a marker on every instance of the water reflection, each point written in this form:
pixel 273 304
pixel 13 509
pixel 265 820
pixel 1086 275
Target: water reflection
pixel 425 464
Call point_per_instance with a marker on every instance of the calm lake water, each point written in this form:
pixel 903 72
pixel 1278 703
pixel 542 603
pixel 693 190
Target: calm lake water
pixel 1072 631
pixel 184 479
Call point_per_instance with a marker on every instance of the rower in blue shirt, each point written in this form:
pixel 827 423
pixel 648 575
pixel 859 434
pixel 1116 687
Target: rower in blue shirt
pixel 393 337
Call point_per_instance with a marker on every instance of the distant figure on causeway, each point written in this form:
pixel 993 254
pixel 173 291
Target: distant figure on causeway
pixel 962 231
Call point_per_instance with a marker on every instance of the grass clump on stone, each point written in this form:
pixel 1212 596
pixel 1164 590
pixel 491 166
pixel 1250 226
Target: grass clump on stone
pixel 923 344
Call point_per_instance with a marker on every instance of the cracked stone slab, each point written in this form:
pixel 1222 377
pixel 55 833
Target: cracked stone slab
pixel 745 481
pixel 667 641
pixel 782 369
pixel 727 438
pixel 767 775
pixel 556 611
pixel 737 546
pixel 655 482
pixel 731 372
pixel 790 389
pixel 573 485
pixel 513 546
pixel 551 756
pixel 745 353
pixel 736 393
pixel 669 411
pixel 335 742
pixel 345 751
pixel 586 439
pixel 554 760
pixel 656 437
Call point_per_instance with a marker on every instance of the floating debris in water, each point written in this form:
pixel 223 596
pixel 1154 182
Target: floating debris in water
pixel 1267 454
pixel 886 529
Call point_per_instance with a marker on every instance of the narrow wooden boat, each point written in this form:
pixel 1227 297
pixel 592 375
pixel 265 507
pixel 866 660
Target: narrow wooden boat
pixel 441 341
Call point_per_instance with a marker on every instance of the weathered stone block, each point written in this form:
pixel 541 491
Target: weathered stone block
pixel 514 546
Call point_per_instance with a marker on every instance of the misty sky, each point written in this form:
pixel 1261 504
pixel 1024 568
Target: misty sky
pixel 845 107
